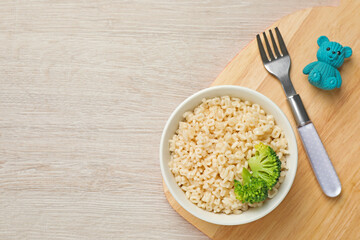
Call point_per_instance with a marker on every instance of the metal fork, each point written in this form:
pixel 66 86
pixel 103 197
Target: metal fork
pixel 279 65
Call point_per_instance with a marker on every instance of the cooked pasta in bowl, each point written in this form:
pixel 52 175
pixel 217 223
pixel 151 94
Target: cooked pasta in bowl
pixel 207 145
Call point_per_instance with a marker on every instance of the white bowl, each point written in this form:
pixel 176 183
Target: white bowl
pixel 245 94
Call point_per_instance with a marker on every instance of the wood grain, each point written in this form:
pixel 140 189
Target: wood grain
pixel 306 213
pixel 86 88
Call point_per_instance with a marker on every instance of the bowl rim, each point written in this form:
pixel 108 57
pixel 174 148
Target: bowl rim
pixel 163 145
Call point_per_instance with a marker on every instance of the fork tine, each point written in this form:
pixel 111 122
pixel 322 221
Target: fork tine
pixel 281 42
pixel 268 47
pixel 277 53
pixel 261 49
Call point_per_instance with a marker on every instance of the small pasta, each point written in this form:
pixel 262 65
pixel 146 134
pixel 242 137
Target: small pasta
pixel 211 147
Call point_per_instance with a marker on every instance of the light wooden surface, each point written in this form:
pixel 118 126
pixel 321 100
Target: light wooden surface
pixel 86 88
pixel 306 213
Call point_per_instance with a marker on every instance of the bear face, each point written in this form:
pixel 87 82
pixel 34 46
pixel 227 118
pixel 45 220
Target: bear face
pixel 332 53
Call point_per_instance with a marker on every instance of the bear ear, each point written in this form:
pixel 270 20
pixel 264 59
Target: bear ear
pixel 321 40
pixel 347 51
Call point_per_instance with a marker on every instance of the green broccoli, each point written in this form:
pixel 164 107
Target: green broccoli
pixel 265 165
pixel 252 190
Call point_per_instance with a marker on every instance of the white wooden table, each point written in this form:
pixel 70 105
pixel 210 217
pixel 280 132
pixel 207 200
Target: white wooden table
pixel 86 88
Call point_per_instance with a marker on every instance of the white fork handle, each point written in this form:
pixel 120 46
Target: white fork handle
pixel 320 161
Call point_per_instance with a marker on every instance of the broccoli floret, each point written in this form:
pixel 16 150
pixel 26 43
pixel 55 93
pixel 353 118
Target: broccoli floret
pixel 252 190
pixel 265 165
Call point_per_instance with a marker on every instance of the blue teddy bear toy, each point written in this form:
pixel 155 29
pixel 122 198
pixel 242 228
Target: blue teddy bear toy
pixel 323 73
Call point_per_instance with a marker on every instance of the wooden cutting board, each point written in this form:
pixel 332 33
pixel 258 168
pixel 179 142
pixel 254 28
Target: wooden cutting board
pixel 306 213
